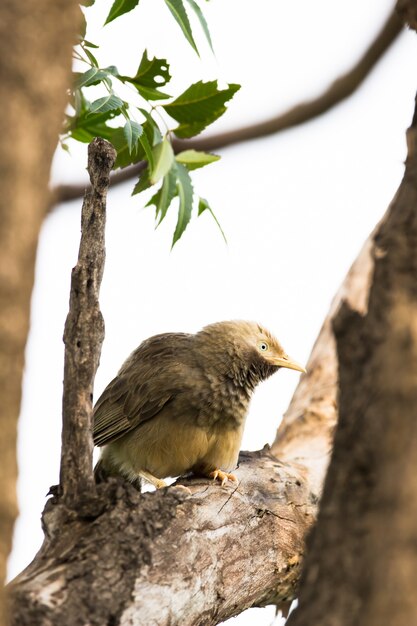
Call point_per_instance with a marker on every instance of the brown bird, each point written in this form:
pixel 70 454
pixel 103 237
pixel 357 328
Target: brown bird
pixel 179 402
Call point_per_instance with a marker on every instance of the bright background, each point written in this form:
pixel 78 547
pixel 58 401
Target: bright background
pixel 295 207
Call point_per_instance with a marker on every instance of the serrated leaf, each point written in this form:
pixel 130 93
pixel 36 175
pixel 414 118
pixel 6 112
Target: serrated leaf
pixel 107 103
pixel 143 183
pixel 132 131
pixel 120 7
pixel 178 11
pixel 163 157
pixel 193 159
pixel 84 126
pixel 185 193
pixel 198 106
pixel 202 21
pixel 151 74
pixel 203 205
pixel 148 93
pixel 124 156
pixel 164 196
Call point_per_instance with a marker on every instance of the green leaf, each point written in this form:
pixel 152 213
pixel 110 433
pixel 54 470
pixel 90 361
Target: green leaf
pixel 132 131
pixel 125 157
pixel 151 73
pixel 107 103
pixel 199 105
pixel 84 126
pixel 83 24
pixel 164 196
pixel 163 157
pixel 120 7
pixel 90 77
pixel 151 128
pixel 143 183
pixel 194 159
pixel 91 56
pixel 178 11
pixel 202 20
pixel 185 193
pixel 147 148
pixel 87 3
pixel 78 101
pixel 88 44
pixel 111 69
pixel 203 205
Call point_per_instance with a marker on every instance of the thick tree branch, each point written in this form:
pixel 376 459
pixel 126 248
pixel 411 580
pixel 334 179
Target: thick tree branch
pixel 185 559
pixel 339 90
pixel 84 333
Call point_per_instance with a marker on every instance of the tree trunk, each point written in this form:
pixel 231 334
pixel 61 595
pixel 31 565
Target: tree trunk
pixel 36 38
pixel 362 564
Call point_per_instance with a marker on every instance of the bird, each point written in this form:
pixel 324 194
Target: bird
pixel 179 403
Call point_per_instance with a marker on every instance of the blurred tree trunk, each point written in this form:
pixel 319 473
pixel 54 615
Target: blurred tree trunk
pixel 36 37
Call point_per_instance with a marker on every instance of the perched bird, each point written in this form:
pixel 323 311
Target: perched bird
pixel 179 402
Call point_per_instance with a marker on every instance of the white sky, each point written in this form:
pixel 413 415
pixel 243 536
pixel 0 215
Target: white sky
pixel 295 207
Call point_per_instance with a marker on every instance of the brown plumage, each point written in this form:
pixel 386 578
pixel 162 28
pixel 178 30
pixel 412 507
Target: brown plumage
pixel 179 402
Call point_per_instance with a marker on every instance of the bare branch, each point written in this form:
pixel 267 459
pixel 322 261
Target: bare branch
pixel 84 333
pixel 339 90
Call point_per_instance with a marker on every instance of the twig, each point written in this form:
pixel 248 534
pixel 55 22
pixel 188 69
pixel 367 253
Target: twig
pixel 339 90
pixel 84 333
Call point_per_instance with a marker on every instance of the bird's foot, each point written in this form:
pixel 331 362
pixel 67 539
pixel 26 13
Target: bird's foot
pixel 223 477
pixel 156 482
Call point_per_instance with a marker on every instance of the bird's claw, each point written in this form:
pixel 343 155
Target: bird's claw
pixel 223 477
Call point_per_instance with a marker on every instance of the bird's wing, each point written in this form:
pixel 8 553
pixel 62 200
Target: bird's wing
pixel 149 379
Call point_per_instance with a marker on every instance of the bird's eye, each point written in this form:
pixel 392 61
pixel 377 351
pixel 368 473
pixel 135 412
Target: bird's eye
pixel 263 346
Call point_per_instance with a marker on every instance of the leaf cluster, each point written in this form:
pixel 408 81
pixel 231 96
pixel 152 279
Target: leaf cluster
pixel 137 128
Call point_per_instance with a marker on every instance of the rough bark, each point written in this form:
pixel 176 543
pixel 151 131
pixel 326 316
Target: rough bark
pixel 175 558
pixel 36 39
pixel 339 89
pixel 84 333
pixel 362 563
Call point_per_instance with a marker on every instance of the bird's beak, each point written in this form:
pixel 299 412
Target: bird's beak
pixel 286 361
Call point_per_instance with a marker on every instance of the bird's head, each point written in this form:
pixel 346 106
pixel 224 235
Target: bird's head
pixel 244 350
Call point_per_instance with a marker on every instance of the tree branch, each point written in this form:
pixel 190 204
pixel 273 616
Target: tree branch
pixel 339 90
pixel 170 558
pixel 84 333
